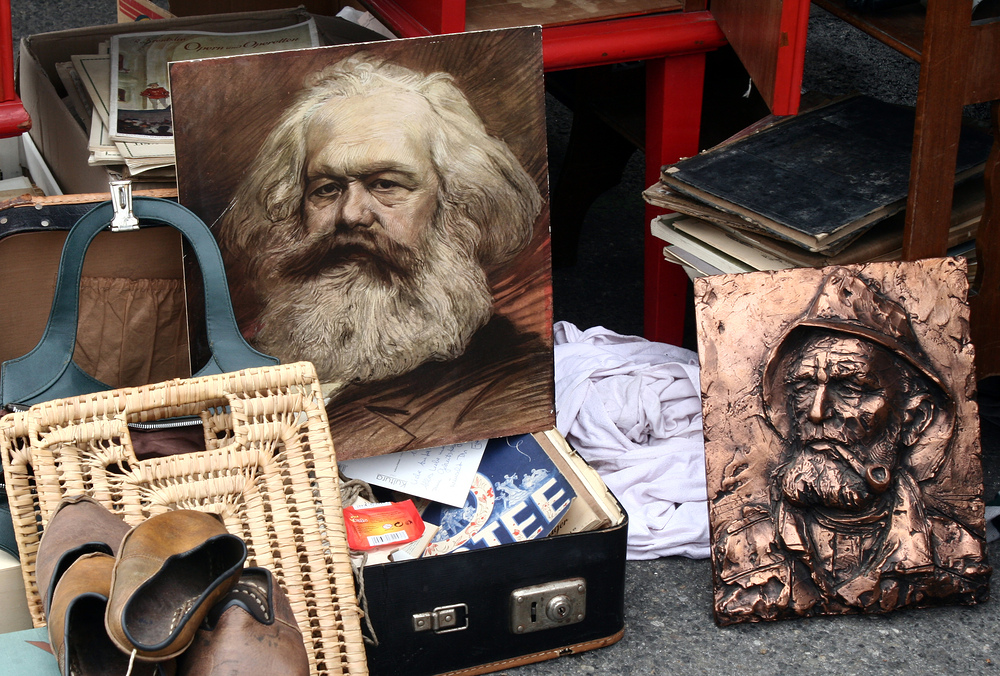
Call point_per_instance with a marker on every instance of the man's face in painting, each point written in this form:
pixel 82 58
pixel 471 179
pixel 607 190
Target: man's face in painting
pixel 844 395
pixel 370 180
pixel 378 282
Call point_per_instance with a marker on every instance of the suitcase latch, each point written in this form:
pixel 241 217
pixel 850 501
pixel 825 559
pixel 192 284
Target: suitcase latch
pixel 543 606
pixel 443 619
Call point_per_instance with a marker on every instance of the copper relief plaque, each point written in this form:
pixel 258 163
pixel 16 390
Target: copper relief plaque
pixel 841 440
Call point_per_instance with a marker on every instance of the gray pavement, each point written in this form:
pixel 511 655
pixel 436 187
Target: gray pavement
pixel 669 628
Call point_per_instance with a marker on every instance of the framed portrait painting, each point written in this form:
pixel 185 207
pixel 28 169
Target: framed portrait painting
pixel 382 210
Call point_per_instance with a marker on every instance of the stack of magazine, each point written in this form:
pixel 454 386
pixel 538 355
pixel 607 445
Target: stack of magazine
pixel 825 187
pixel 122 94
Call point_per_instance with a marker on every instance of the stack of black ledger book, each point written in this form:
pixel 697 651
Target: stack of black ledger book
pixel 825 187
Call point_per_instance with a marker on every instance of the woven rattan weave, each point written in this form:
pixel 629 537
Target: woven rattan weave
pixel 268 468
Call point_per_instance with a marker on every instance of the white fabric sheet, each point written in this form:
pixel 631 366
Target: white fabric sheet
pixel 632 408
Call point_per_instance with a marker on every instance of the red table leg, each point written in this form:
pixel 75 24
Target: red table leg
pixel 13 119
pixel 673 118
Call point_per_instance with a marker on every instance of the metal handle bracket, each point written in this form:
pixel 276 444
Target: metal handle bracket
pixel 121 200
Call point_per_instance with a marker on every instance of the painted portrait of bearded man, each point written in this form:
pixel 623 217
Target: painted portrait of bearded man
pixel 383 216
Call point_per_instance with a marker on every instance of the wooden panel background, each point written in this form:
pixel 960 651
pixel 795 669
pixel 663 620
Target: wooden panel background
pixel 769 37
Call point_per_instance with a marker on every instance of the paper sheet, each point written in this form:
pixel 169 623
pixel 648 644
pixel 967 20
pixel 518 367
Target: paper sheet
pixel 442 474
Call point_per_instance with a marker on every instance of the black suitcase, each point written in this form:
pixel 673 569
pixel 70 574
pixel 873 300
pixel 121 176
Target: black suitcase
pixel 490 609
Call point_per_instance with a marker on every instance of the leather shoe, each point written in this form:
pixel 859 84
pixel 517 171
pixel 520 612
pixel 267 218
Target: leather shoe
pixel 252 630
pixel 79 525
pixel 171 570
pixel 76 623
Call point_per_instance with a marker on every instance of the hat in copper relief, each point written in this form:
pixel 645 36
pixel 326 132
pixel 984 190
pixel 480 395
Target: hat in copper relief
pixel 848 303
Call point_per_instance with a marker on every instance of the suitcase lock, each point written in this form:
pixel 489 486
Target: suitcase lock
pixel 544 606
pixel 443 619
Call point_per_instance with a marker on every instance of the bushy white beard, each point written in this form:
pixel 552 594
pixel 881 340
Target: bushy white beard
pixel 355 325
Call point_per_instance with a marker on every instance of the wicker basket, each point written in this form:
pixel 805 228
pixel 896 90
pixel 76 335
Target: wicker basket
pixel 269 469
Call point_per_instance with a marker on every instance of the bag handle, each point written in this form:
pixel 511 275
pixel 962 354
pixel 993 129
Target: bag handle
pixel 48 371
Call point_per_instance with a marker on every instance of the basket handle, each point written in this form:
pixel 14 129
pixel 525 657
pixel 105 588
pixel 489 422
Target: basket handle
pixel 48 371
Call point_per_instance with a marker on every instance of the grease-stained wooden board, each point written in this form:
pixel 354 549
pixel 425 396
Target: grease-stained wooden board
pixel 485 14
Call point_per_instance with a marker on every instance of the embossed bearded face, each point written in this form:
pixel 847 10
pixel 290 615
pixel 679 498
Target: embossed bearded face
pixel 845 396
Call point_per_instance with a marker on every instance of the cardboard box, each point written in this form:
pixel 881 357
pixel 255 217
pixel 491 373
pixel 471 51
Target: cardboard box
pixel 19 156
pixel 60 138
pixel 20 162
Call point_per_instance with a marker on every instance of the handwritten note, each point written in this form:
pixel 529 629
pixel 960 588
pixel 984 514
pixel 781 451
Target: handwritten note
pixel 442 474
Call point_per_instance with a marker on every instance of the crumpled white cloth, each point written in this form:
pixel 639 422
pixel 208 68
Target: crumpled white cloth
pixel 632 408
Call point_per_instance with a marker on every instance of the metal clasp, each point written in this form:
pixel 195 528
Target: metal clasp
pixel 548 605
pixel 121 201
pixel 443 619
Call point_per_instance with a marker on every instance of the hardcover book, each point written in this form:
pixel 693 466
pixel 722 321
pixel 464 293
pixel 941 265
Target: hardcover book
pixel 673 228
pixel 518 494
pixel 882 242
pixel 818 179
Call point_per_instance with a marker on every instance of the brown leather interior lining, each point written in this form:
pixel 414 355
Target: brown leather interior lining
pixel 132 303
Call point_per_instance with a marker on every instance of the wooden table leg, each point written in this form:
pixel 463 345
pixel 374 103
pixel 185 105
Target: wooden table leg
pixel 937 129
pixel 673 117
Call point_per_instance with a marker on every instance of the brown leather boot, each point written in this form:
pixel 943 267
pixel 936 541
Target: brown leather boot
pixel 76 623
pixel 250 631
pixel 79 525
pixel 171 570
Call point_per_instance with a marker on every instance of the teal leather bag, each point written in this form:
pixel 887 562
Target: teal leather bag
pixel 48 371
